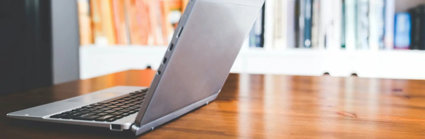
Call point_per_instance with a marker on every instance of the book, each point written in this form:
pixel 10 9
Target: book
pixel 256 35
pixel 290 23
pixel 376 24
pixel 415 33
pixel 120 22
pixel 422 29
pixel 343 26
pixel 300 13
pixel 166 24
pixel 123 22
pixel 261 19
pixel 280 24
pixel 418 28
pixel 155 37
pixel 402 31
pixel 278 27
pixel 85 30
pixel 273 20
pixel 362 25
pixel 308 15
pixel 350 15
pixel 389 24
pixel 315 26
pixel 330 24
pixel 171 11
pixel 99 34
pixel 138 21
pixel 106 19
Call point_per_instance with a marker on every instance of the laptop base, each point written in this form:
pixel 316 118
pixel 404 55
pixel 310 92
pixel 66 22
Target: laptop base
pixel 43 112
pixel 158 122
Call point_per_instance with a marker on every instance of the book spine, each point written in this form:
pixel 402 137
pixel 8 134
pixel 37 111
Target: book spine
pixel 155 34
pixel 413 32
pixel 120 25
pixel 85 30
pixel 402 31
pixel 279 24
pixel 322 25
pixel 335 25
pixel 416 27
pixel 290 23
pixel 315 27
pixel 330 21
pixel 108 21
pixel 362 25
pixel 268 24
pixel 99 37
pixel 350 24
pixel 251 38
pixel 343 46
pixel 308 14
pixel 377 24
pixel 422 22
pixel 389 24
pixel 301 23
pixel 263 21
pixel 255 39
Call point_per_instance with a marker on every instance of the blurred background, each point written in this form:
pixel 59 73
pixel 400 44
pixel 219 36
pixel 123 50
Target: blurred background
pixel 48 42
pixel 368 38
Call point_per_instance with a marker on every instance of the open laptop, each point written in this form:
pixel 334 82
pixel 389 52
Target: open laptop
pixel 193 71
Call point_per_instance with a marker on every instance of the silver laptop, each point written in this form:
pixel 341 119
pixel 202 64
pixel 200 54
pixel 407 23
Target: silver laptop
pixel 193 71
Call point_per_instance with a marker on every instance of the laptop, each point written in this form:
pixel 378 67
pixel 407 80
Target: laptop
pixel 195 66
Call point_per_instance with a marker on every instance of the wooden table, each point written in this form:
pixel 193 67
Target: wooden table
pixel 252 106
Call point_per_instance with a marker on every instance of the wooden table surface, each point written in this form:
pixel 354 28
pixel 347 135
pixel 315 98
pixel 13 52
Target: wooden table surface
pixel 252 106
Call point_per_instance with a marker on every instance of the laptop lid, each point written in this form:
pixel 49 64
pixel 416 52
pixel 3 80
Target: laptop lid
pixel 204 47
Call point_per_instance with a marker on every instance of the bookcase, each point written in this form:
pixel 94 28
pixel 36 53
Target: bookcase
pixel 103 58
pixel 39 44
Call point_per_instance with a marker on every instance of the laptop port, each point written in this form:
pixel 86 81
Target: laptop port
pixel 171 47
pixel 180 32
pixel 164 60
pixel 116 127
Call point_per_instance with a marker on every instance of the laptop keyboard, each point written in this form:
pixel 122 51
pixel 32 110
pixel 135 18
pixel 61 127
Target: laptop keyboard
pixel 109 110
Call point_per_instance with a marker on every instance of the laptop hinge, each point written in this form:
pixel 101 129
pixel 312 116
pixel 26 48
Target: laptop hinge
pixel 155 123
pixel 134 128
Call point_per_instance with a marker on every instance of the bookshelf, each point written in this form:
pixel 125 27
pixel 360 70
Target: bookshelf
pixel 103 58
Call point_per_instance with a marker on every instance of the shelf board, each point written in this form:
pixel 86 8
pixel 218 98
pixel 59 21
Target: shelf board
pixel 403 64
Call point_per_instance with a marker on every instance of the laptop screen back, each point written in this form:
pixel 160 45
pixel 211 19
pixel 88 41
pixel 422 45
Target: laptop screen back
pixel 212 33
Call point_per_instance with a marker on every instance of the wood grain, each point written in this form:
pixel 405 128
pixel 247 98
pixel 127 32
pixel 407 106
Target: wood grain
pixel 253 106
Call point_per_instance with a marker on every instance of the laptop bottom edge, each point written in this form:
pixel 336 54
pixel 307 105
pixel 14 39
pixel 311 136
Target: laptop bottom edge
pixel 176 114
pixel 109 125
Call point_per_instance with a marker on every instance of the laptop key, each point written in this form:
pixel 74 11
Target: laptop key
pixel 91 117
pixel 103 118
pixel 116 113
pixel 86 117
pixel 102 114
pixel 57 116
pixel 110 119
pixel 109 111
